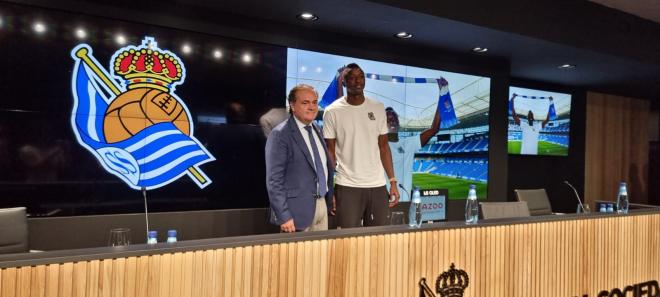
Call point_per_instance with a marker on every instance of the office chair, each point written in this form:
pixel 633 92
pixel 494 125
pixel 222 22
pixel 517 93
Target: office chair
pixel 14 230
pixel 537 201
pixel 497 210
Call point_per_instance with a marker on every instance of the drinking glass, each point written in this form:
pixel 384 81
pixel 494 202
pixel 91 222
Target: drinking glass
pixel 119 237
pixel 397 218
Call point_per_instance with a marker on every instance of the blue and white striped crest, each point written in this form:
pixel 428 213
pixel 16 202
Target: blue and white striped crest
pixel 150 159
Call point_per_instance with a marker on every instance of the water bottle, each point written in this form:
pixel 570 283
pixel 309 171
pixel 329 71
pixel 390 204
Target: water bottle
pixel 415 212
pixel 610 207
pixel 152 237
pixel 171 236
pixel 603 208
pixel 622 199
pixel 472 207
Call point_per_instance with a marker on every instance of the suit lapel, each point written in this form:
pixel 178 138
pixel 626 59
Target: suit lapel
pixel 297 137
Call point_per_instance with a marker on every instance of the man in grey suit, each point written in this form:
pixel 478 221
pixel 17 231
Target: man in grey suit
pixel 299 174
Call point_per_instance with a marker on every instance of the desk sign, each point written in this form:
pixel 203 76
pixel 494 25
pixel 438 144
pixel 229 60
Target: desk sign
pixel 434 204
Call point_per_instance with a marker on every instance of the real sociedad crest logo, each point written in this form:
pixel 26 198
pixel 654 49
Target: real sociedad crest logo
pixel 132 121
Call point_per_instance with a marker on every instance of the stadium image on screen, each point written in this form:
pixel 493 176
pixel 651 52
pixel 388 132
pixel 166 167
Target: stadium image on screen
pixel 539 122
pixel 456 156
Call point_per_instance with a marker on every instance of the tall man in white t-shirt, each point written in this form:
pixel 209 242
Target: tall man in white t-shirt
pixel 530 129
pixel 403 149
pixel 355 128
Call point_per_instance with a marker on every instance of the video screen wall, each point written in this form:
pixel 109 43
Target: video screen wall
pixel 539 122
pixel 455 157
pixel 93 110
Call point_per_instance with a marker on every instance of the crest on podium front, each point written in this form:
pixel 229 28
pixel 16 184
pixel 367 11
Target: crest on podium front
pixel 451 283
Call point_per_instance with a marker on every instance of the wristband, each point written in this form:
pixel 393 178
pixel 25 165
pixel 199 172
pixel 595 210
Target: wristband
pixel 393 179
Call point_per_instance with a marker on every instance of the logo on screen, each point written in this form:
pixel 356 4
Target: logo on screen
pixel 131 120
pixel 451 283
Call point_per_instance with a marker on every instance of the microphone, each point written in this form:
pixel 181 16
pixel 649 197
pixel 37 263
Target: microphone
pixel 404 189
pixel 576 195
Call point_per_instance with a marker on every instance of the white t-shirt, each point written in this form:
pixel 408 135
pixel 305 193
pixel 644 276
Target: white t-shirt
pixel 356 130
pixel 403 156
pixel 530 137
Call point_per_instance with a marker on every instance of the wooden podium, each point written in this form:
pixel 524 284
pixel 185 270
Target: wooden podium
pixel 566 255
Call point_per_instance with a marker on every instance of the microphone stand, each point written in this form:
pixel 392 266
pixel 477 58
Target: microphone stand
pixel 146 211
pixel 576 195
pixel 407 193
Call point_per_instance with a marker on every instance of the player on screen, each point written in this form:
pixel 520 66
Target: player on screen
pixel 531 129
pixel 403 149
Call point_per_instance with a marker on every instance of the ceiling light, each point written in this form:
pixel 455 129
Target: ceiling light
pixel 480 49
pixel 120 39
pixel 81 33
pixel 39 27
pixel 403 35
pixel 308 16
pixel 566 66
pixel 247 58
pixel 186 49
pixel 217 54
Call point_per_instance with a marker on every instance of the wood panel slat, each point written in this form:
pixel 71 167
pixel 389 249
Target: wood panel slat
pixel 616 147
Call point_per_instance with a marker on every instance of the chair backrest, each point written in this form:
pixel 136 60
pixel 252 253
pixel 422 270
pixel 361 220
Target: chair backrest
pixel 13 230
pixel 537 201
pixel 496 210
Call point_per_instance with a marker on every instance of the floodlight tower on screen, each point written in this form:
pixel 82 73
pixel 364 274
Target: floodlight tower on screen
pixel 457 156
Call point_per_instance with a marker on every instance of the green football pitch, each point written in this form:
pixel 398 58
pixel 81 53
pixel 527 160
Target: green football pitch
pixel 545 148
pixel 458 188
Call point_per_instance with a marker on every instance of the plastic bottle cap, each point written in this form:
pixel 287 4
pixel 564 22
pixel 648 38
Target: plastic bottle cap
pixel 171 233
pixel 152 234
pixel 472 187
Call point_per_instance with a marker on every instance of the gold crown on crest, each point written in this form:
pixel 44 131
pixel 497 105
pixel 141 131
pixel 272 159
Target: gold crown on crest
pixel 148 66
pixel 452 282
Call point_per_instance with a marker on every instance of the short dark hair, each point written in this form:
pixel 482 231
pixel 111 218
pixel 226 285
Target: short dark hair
pixel 351 66
pixel 292 94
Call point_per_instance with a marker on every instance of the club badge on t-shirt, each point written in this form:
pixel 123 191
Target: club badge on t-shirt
pixel 371 116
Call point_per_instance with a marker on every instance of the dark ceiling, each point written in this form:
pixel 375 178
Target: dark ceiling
pixel 614 51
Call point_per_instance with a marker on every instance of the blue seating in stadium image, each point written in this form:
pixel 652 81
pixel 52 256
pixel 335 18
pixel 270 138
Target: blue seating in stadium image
pixel 462 168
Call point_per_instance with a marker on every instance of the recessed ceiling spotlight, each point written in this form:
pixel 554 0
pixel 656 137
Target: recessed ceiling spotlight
pixel 480 49
pixel 308 16
pixel 186 49
pixel 403 35
pixel 120 39
pixel 39 27
pixel 81 33
pixel 247 58
pixel 566 66
pixel 217 54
